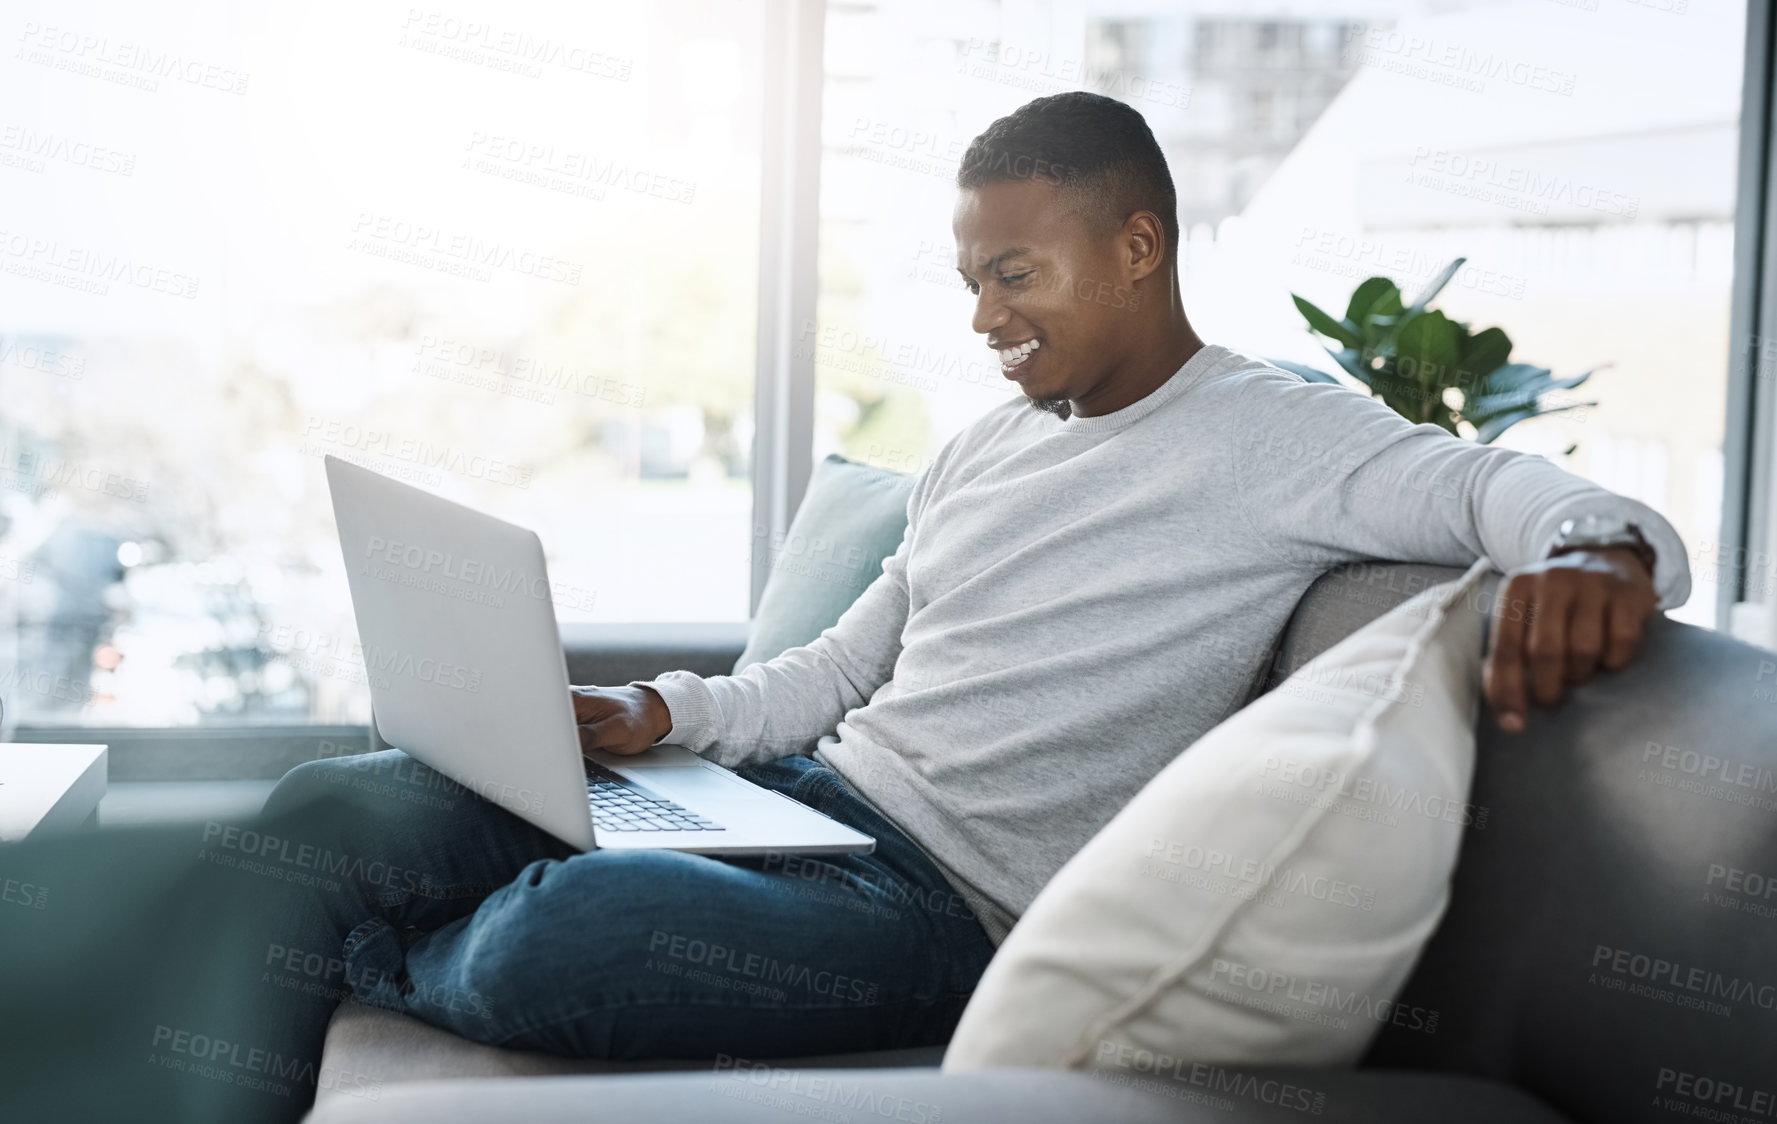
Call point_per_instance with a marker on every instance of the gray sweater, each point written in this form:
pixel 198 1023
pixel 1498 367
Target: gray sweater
pixel 1075 602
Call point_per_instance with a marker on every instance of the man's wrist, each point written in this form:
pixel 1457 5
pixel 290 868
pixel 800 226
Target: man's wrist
pixel 660 716
pixel 689 706
pixel 1637 558
pixel 1594 534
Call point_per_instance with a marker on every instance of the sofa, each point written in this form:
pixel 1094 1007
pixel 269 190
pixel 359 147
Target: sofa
pixel 1606 955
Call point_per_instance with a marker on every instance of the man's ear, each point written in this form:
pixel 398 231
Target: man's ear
pixel 1145 239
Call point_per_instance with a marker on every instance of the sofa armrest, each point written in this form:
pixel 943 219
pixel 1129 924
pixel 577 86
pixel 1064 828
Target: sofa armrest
pixel 1608 938
pixel 607 655
pixel 1341 601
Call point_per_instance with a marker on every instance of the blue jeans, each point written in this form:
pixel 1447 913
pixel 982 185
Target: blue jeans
pixel 418 896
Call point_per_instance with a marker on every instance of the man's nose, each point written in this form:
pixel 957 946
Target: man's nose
pixel 989 314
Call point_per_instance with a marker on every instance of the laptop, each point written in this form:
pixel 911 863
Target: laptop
pixel 467 675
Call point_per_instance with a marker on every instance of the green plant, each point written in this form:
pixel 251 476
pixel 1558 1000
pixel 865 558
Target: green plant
pixel 1430 368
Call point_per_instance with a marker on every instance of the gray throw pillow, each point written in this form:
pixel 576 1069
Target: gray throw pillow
pixel 853 516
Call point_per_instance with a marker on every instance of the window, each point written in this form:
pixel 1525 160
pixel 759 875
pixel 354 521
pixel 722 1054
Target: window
pixel 512 254
pixel 507 253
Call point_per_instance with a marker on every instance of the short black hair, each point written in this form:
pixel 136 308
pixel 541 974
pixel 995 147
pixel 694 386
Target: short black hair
pixel 1090 146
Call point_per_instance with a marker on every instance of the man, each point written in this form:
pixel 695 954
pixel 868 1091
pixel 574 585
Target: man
pixel 1091 578
pixel 1089 584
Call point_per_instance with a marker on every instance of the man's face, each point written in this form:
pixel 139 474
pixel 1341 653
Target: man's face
pixel 1028 259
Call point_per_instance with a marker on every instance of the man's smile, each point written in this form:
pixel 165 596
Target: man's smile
pixel 1016 356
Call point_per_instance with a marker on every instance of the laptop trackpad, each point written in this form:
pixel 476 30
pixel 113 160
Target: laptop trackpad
pixel 695 784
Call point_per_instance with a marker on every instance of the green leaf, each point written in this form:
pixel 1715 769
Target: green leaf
pixel 1483 353
pixel 1377 296
pixel 1425 349
pixel 1383 382
pixel 1436 286
pixel 1512 376
pixel 1327 326
pixel 1486 431
pixel 1486 405
pixel 1310 373
pixel 1484 434
pixel 1352 362
pixel 1396 389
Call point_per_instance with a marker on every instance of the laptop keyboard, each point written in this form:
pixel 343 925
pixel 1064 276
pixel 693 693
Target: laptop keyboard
pixel 618 805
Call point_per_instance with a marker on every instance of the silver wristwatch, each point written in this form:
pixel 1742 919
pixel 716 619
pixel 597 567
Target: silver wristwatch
pixel 1600 532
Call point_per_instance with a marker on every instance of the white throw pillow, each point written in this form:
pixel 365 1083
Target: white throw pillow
pixel 1262 900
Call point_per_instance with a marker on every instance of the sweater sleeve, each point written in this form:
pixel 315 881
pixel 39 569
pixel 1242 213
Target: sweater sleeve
pixel 785 705
pixel 1329 475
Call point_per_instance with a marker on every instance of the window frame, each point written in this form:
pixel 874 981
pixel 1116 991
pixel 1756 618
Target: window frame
pixel 1748 487
pixel 789 237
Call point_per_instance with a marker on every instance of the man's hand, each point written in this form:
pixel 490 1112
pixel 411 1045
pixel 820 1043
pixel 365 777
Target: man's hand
pixel 622 720
pixel 1557 622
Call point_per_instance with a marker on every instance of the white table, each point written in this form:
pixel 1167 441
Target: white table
pixel 49 788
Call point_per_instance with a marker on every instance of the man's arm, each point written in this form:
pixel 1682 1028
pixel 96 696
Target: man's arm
pixel 785 705
pixel 1329 475
pixel 771 709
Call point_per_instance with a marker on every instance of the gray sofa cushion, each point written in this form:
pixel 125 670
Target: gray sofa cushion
pixel 1201 1096
pixel 852 517
pixel 380 1047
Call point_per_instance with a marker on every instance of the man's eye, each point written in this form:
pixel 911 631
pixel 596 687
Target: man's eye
pixel 973 288
pixel 1014 278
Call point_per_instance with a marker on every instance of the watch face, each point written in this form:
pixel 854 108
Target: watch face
pixel 1596 532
